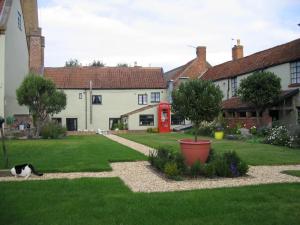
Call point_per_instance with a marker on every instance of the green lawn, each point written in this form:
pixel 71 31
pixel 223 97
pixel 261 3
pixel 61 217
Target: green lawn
pixel 107 201
pixel 252 153
pixel 295 173
pixel 72 154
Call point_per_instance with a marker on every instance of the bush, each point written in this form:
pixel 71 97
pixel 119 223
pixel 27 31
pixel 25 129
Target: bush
pixel 53 130
pixel 253 130
pixel 279 136
pixel 171 170
pixel 152 130
pixel 209 170
pixel 197 169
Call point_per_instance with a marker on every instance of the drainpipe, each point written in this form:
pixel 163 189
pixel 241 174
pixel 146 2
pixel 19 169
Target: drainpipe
pixel 91 102
pixel 85 96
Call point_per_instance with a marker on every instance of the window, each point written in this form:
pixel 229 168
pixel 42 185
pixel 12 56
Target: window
pixel 242 114
pixel 155 97
pixel 19 21
pixel 234 86
pixel 146 120
pixel 80 96
pixel 97 99
pixel 177 120
pixel 142 99
pixel 295 72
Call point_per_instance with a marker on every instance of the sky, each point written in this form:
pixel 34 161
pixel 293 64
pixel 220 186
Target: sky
pixel 162 33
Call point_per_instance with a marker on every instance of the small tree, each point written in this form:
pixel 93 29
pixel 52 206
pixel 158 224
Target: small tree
pixel 260 89
pixel 97 63
pixel 72 63
pixel 41 97
pixel 122 65
pixel 197 101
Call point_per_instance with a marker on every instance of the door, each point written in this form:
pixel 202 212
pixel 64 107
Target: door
pixel 114 123
pixel 71 124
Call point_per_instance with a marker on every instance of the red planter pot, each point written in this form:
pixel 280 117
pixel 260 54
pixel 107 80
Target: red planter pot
pixel 193 151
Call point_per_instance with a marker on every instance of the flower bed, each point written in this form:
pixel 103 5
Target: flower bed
pixel 172 164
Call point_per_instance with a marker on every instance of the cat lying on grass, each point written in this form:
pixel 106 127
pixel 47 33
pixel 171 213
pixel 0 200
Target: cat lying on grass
pixel 24 170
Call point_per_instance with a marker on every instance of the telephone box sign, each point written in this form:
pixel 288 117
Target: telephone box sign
pixel 164 117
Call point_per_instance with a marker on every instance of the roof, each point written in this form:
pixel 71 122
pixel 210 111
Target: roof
pixel 139 110
pixel 1 5
pixel 193 69
pixel 236 103
pixel 106 77
pixel 261 60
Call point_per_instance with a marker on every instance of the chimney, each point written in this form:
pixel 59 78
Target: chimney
pixel 237 50
pixel 201 53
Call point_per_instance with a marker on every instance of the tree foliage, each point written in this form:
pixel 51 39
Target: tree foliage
pixel 72 63
pixel 122 65
pixel 41 97
pixel 197 100
pixel 261 89
pixel 97 63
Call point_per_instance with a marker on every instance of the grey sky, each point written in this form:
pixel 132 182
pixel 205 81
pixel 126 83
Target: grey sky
pixel 158 32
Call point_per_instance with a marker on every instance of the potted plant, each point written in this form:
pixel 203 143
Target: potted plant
pixel 219 133
pixel 197 101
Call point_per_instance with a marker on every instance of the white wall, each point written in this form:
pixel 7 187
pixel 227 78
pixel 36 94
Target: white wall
pixel 114 104
pixel 16 60
pixel 133 120
pixel 282 71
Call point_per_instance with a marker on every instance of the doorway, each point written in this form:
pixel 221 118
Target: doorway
pixel 113 123
pixel 71 124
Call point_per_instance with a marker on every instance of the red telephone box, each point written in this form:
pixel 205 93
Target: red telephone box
pixel 164 117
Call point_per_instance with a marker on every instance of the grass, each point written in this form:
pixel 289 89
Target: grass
pixel 72 154
pixel 252 153
pixel 295 173
pixel 107 201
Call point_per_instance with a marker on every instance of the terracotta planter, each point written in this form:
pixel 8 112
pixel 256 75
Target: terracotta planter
pixel 194 151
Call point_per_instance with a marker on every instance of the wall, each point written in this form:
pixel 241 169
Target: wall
pixel 16 61
pixel 133 120
pixel 282 71
pixel 114 104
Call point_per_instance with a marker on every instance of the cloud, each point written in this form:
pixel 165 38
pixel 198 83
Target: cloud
pixel 157 33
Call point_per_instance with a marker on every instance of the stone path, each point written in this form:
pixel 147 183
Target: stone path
pixel 140 177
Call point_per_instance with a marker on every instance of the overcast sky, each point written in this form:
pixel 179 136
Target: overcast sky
pixel 161 32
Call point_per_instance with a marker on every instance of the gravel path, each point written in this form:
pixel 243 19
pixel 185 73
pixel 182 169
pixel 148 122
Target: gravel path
pixel 131 144
pixel 140 177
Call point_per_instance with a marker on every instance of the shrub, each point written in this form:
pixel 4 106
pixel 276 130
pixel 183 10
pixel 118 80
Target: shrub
pixel 171 170
pixel 209 170
pixel 53 130
pixel 197 169
pixel 221 167
pixel 152 130
pixel 253 130
pixel 279 136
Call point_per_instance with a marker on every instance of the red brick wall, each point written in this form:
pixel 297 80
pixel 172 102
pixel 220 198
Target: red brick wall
pixel 36 54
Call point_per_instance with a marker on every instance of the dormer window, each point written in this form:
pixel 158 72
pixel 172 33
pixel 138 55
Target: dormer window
pixel 234 86
pixel 295 72
pixel 19 21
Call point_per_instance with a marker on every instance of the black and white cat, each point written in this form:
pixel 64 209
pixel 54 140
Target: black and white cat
pixel 24 170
